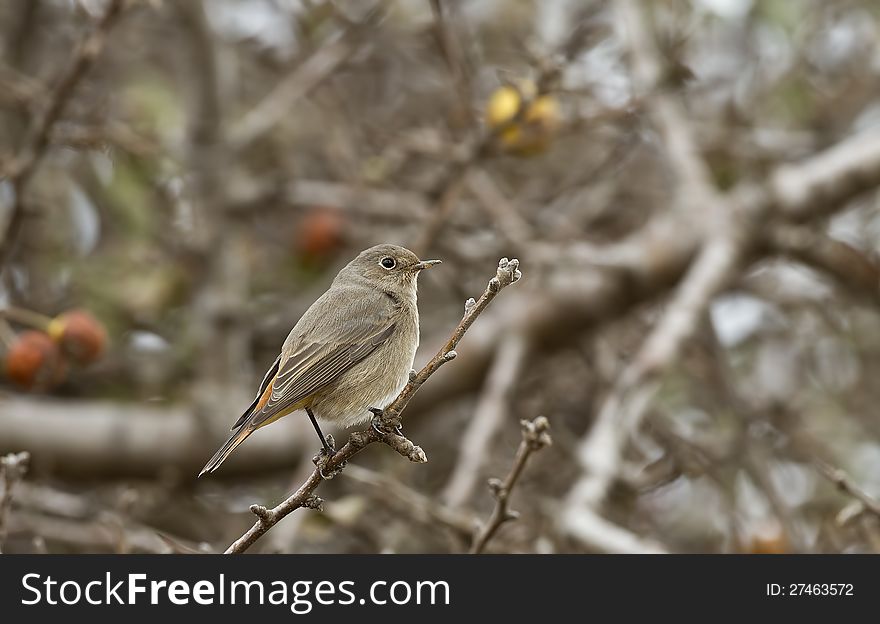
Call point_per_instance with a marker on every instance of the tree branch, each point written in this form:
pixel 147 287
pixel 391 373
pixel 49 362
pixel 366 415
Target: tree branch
pixel 38 140
pixel 851 268
pixel 723 250
pixel 535 436
pixel 12 469
pixel 101 438
pixel 846 485
pixel 491 409
pixel 308 75
pixel 420 507
pixel 802 191
pixel 507 274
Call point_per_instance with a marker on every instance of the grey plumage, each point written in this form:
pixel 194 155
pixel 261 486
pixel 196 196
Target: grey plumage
pixel 352 349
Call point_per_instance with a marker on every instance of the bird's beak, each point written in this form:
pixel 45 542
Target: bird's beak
pixel 425 264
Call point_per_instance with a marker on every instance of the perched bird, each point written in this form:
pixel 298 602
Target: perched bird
pixel 349 354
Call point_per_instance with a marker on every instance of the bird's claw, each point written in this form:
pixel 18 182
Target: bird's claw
pixel 333 473
pixel 375 423
pixel 325 455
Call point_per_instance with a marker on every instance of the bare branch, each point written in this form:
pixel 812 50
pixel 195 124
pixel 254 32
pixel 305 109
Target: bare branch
pixel 275 106
pixel 535 436
pixel 107 533
pixel 453 55
pixel 511 225
pixel 818 185
pixel 32 153
pixel 622 411
pixel 488 417
pixel 422 508
pixel 678 137
pixel 597 533
pixel 846 485
pixel 851 268
pixel 112 438
pixel 506 274
pixel 12 469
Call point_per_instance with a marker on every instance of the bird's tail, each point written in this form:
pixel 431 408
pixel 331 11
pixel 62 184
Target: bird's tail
pixel 230 445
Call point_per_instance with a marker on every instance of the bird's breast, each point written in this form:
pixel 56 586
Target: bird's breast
pixel 375 381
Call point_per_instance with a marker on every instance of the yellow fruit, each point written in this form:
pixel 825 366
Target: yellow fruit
pixel 523 132
pixel 505 101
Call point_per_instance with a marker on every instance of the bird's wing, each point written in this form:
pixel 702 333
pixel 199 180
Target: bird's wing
pixel 323 345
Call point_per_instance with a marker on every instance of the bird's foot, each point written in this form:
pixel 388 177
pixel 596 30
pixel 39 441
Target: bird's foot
pixel 376 423
pixel 324 455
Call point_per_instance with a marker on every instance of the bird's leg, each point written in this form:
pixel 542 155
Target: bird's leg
pixel 374 423
pixel 328 449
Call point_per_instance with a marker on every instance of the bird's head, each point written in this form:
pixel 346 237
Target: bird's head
pixel 390 268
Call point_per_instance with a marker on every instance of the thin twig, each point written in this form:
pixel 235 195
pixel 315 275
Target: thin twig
pixel 38 140
pixel 309 74
pixel 510 223
pixel 12 469
pixel 535 436
pixel 728 226
pixel 28 318
pixel 846 485
pixel 417 505
pixel 454 56
pixel 491 409
pixel 506 274
pixel 852 269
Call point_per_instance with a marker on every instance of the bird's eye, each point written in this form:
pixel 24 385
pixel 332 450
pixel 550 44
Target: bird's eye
pixel 388 262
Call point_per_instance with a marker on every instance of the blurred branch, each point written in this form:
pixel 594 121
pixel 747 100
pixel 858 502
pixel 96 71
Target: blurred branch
pixel 535 436
pixel 599 534
pixel 107 533
pixel 758 468
pixel 25 317
pixel 846 485
pixel 622 411
pixel 421 507
pixel 19 89
pixel 817 186
pixel 300 82
pixel 89 438
pixel 379 202
pixel 441 210
pixel 454 55
pixel 54 502
pixel 507 274
pixel 692 174
pixel 647 264
pixel 30 155
pixel 20 33
pixel 218 324
pixel 12 470
pixel 850 267
pixel 489 413
pixel 109 134
pixel 723 252
pixel 503 212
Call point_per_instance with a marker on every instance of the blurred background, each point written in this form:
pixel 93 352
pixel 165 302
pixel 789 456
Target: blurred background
pixel 688 185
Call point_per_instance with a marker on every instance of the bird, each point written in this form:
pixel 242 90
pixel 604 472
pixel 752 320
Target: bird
pixel 348 355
